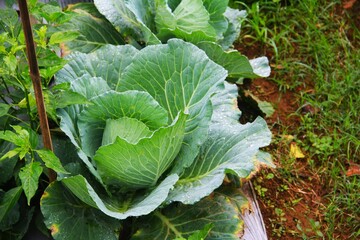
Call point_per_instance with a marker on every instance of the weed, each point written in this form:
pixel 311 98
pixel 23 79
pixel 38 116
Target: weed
pixel 315 228
pixel 260 190
pixel 314 49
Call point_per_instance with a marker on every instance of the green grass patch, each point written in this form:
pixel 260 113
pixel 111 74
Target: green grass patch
pixel 315 52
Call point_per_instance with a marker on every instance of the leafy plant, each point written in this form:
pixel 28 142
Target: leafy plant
pixel 24 163
pixel 209 24
pixel 160 128
pixel 151 131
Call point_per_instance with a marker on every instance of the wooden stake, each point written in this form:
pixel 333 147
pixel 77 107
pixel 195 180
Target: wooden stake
pixel 36 80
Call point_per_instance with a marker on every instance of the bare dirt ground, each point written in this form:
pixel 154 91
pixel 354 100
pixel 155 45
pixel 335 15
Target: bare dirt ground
pixel 304 199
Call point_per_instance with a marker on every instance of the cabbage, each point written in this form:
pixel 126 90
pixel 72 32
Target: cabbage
pixel 160 128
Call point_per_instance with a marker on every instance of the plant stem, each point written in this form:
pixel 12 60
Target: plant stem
pixel 18 119
pixel 7 89
pixel 36 80
pixel 32 124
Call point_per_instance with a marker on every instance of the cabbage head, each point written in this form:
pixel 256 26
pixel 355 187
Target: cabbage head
pixel 158 134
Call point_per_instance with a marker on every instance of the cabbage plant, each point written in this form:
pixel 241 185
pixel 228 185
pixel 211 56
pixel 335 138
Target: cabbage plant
pixel 209 24
pixel 158 134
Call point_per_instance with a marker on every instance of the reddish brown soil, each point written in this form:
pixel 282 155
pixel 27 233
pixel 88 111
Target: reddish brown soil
pixel 305 186
pixel 302 198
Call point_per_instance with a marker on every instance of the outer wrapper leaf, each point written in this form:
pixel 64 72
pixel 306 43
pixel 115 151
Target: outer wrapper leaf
pixel 132 17
pixel 237 65
pixel 68 125
pixel 107 63
pixel 232 33
pixel 189 21
pixel 64 99
pixel 230 147
pixel 216 9
pixel 69 218
pixel 122 206
pixel 180 77
pixel 261 66
pixel 89 87
pixel 181 221
pixel 93 29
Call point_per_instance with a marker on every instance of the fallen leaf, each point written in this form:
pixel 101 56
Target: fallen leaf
pixel 354 169
pixel 349 4
pixel 288 137
pixel 295 151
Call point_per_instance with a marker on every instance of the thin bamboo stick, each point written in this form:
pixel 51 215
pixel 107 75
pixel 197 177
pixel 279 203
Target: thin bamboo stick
pixel 36 80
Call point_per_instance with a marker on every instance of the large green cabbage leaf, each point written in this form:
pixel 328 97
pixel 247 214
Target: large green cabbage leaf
pixel 70 218
pixel 121 206
pixel 230 148
pixel 93 29
pixel 180 77
pixel 190 21
pixel 232 33
pixel 163 91
pixel 237 65
pixel 216 9
pixel 131 17
pixel 160 126
pixel 100 63
pixel 180 221
pixel 194 21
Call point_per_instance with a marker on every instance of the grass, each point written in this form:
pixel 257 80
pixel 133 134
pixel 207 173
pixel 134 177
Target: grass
pixel 315 51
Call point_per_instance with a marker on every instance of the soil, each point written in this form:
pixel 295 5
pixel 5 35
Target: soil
pixel 301 201
pixel 308 188
pixel 281 194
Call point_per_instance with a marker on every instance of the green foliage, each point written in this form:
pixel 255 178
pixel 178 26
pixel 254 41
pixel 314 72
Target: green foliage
pixel 217 212
pixel 149 126
pixel 317 53
pixel 26 142
pixel 190 21
pixel 88 30
pixel 21 138
pixel 90 223
pixel 195 128
pixel 16 88
pixel 29 176
pixel 8 201
pixel 50 160
pixel 148 22
pixel 22 159
pixel 237 65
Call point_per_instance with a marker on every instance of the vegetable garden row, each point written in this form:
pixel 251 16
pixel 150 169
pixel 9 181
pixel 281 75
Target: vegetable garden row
pixel 141 101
